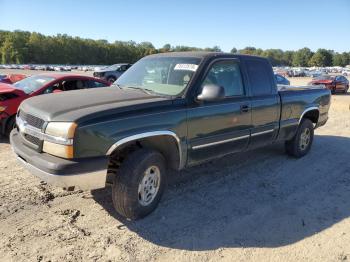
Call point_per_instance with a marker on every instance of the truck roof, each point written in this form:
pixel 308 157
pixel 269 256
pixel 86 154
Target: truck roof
pixel 201 54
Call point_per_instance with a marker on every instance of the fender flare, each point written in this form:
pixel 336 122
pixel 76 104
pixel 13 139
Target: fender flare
pixel 308 110
pixel 146 135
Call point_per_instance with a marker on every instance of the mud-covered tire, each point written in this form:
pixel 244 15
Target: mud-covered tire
pixel 301 143
pixel 131 176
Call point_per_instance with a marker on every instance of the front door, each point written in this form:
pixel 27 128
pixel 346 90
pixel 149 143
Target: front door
pixel 221 127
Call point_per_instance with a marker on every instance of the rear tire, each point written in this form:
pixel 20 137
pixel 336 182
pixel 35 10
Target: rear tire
pixel 139 184
pixel 301 143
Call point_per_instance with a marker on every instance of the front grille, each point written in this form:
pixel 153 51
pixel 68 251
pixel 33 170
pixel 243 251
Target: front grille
pixel 32 139
pixel 32 120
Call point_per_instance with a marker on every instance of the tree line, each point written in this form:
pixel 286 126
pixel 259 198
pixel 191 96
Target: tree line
pixel 22 47
pixel 303 57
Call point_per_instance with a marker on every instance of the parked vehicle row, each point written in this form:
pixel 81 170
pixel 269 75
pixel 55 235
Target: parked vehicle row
pixel 111 73
pixel 167 111
pixel 311 71
pixel 336 84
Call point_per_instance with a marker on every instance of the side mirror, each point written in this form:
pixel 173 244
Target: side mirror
pixel 211 93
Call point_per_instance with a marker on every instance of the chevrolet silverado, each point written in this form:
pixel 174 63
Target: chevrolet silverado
pixel 168 111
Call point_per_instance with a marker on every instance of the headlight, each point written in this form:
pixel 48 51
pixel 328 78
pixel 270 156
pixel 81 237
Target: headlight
pixel 58 150
pixel 2 108
pixel 63 130
pixel 59 139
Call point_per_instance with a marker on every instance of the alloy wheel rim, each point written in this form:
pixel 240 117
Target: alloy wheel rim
pixel 149 186
pixel 305 139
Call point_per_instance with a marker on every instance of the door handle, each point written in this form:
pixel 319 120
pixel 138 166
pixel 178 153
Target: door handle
pixel 245 108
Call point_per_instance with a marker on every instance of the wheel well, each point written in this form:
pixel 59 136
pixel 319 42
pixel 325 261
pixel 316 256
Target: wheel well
pixel 312 115
pixel 7 122
pixel 165 144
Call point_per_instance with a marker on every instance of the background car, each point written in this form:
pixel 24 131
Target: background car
pixel 11 96
pixel 11 78
pixel 111 73
pixel 333 83
pixel 281 80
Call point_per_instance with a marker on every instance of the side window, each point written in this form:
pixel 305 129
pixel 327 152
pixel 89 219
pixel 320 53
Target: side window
pixel 259 77
pixel 228 75
pixel 57 87
pixel 70 85
pixel 94 84
pixel 123 68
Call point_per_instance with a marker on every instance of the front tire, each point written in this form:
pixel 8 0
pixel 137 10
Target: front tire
pixel 111 79
pixel 139 184
pixel 301 143
pixel 11 124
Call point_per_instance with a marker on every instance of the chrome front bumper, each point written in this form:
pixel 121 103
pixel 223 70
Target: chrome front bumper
pixel 86 173
pixel 84 181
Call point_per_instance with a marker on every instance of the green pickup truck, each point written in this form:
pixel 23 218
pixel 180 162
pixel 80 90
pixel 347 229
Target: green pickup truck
pixel 168 111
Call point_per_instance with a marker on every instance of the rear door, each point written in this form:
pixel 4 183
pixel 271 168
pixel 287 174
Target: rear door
pixel 221 127
pixel 265 101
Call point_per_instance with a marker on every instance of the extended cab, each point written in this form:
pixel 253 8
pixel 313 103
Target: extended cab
pixel 168 111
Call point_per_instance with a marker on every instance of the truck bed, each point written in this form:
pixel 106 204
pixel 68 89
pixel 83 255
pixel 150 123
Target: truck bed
pixel 295 100
pixel 298 88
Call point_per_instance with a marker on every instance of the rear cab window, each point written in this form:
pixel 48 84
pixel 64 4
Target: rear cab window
pixel 259 76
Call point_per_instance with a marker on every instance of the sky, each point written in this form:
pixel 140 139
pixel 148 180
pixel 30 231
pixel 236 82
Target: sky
pixel 288 25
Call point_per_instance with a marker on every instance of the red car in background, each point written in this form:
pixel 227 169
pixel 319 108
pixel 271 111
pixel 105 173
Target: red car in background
pixel 333 83
pixel 11 96
pixel 12 78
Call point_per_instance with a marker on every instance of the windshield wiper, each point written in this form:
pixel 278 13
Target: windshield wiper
pixel 145 90
pixel 117 85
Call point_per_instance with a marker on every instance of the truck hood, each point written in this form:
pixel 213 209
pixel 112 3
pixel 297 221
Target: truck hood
pixel 79 105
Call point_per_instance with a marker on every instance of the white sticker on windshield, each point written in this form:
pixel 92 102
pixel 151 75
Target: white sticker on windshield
pixel 187 67
pixel 41 80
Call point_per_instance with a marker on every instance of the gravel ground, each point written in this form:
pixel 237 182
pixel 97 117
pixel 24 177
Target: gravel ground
pixel 259 206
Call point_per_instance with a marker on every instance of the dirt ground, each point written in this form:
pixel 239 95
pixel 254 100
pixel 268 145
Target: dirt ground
pixel 257 206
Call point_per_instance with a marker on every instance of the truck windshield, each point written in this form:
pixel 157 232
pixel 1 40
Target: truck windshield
pixel 161 75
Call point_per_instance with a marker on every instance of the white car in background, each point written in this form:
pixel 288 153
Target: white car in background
pixel 346 72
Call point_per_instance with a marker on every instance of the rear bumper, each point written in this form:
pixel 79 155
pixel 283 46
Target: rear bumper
pixel 87 173
pixel 322 120
pixel 321 123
